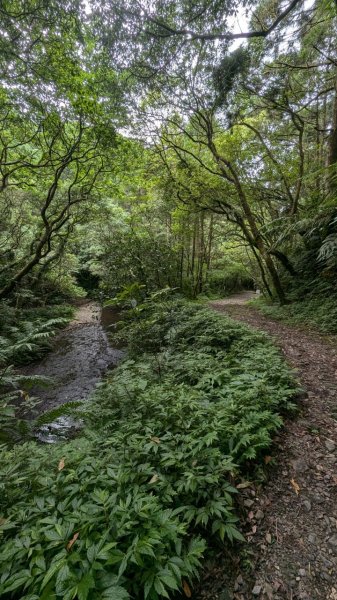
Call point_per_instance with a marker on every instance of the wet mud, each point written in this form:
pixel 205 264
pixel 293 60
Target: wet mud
pixel 80 357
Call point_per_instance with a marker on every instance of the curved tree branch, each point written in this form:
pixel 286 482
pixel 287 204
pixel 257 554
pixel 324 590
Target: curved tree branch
pixel 166 31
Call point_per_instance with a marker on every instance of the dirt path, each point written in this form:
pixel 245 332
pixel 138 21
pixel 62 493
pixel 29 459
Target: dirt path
pixel 291 524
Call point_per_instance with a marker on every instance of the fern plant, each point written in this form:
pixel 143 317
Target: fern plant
pixel 19 344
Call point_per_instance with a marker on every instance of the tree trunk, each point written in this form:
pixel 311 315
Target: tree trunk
pixel 333 146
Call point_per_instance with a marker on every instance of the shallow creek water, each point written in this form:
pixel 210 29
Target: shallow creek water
pixel 80 357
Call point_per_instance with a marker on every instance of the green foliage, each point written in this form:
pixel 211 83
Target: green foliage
pixel 233 278
pixel 24 336
pixel 127 510
pixel 312 292
pixel 317 311
pixel 227 72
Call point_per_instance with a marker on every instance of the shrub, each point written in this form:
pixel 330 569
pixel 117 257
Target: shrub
pixel 317 311
pixel 128 509
pixel 24 335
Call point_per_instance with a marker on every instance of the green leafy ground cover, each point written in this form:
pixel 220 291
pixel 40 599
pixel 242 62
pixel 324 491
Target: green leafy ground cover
pixel 318 312
pixel 129 509
pixel 25 335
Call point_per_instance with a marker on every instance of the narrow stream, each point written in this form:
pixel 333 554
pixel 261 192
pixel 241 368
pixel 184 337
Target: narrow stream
pixel 81 356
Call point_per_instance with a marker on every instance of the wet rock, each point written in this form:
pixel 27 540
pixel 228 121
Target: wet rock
pixel 102 364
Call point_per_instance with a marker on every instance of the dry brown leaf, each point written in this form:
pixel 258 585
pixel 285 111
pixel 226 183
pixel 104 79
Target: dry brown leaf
pixel 295 486
pixel 72 541
pixel 187 589
pixel 267 459
pixel 155 439
pixel 61 465
pixel 243 485
pixel 154 478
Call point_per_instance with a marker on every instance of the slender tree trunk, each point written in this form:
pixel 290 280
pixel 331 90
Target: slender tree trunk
pixel 262 271
pixel 259 243
pixel 181 265
pixel 229 173
pixel 194 238
pixel 333 146
pixel 210 242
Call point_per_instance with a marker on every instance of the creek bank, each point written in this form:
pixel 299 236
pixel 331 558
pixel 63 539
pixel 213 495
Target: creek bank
pixel 80 356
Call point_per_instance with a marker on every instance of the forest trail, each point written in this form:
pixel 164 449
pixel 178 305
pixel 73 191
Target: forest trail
pixel 291 526
pixel 80 355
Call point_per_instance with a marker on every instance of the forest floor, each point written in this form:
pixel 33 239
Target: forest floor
pixel 291 521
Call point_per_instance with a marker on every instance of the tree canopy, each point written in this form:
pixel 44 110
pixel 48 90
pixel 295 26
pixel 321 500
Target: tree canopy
pixel 151 107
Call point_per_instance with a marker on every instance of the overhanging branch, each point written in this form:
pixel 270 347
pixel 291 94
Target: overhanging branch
pixel 168 31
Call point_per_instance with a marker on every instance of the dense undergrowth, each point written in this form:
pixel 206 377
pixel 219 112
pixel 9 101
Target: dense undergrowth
pixel 313 310
pixel 128 509
pixel 25 335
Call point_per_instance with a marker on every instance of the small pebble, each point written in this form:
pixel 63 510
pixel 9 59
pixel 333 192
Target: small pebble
pixel 330 445
pixel 259 515
pixel 332 542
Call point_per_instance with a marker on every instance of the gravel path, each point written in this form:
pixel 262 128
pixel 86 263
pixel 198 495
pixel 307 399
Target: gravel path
pixel 291 522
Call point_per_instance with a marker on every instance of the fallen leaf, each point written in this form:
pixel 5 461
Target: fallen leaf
pixel 61 465
pixel 254 529
pixel 155 439
pixel 154 478
pixel 295 486
pixel 267 459
pixel 250 515
pixel 72 541
pixel 268 538
pixel 243 485
pixel 187 589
